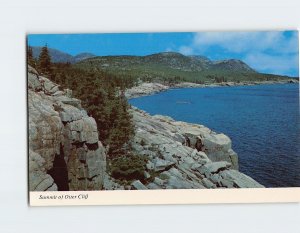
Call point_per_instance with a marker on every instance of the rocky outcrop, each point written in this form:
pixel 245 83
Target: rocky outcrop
pixel 145 89
pixel 64 150
pixel 185 156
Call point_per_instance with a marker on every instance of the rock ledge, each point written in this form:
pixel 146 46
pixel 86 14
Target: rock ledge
pixel 186 156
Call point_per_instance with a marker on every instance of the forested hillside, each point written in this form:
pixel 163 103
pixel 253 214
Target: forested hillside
pixel 170 67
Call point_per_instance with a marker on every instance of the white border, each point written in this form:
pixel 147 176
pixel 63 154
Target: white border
pixel 166 197
pixel 19 17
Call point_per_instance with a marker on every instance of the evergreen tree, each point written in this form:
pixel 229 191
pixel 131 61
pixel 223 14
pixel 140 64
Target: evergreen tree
pixel 102 95
pixel 30 59
pixel 122 129
pixel 44 62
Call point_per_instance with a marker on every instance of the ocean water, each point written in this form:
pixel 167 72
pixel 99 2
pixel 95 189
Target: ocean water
pixel 262 122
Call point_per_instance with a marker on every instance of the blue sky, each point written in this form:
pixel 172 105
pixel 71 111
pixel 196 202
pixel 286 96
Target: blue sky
pixel 274 52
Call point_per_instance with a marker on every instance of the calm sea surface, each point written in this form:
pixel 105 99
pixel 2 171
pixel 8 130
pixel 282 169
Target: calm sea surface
pixel 262 122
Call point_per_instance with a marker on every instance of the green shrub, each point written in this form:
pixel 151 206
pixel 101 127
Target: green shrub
pixel 163 176
pixel 129 167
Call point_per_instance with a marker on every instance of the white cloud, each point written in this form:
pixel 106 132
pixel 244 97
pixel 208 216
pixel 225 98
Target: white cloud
pixel 238 42
pixel 279 64
pixel 266 51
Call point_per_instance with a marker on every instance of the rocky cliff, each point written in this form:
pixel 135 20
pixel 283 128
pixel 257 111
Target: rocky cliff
pixel 185 156
pixel 66 154
pixel 64 150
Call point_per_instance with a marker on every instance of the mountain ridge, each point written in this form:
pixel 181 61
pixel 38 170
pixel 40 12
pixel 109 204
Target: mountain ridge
pixel 165 67
pixel 176 67
pixel 198 62
pixel 176 60
pixel 59 56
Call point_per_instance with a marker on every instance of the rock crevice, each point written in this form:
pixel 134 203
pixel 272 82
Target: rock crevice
pixel 64 148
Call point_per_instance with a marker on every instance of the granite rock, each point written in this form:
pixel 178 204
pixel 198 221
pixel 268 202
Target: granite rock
pixel 60 130
pixel 178 160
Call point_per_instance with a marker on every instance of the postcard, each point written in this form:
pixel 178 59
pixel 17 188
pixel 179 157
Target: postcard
pixel 163 118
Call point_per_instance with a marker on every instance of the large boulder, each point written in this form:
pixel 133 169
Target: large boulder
pixel 216 146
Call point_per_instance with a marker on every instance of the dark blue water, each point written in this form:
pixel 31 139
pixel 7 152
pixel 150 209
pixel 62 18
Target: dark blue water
pixel 262 121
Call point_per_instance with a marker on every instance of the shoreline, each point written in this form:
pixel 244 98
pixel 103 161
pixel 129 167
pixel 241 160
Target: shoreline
pixel 182 155
pixel 147 89
pixel 152 91
pixel 179 155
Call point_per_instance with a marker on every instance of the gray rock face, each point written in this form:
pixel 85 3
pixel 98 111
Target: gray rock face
pixel 240 180
pixel 110 184
pixel 33 82
pixel 39 179
pixel 82 130
pixel 145 89
pixel 161 164
pixel 216 146
pixel 212 168
pixel 138 185
pixel 177 159
pixel 60 128
pixel 208 184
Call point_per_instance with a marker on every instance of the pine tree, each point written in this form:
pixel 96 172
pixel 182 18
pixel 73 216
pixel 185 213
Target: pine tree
pixel 103 96
pixel 44 62
pixel 30 59
pixel 122 129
